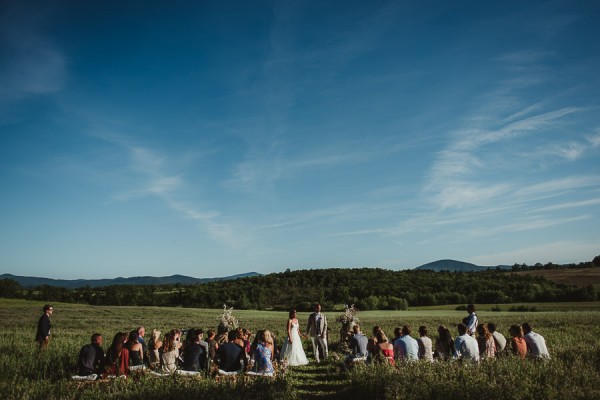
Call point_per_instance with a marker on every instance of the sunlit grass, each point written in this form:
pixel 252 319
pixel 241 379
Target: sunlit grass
pixel 572 339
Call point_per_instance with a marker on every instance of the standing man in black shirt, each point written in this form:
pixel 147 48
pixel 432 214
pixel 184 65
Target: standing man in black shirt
pixel 42 335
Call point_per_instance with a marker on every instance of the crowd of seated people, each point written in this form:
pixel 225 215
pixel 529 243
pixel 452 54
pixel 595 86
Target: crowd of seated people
pixel 474 342
pixel 169 354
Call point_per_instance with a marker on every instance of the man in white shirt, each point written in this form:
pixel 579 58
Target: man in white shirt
pixel 466 346
pixel 536 344
pixel 471 320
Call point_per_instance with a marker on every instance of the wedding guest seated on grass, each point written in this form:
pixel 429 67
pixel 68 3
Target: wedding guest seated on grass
pixel 196 351
pixel 465 345
pixel 257 337
pixel 136 351
pixel 246 335
pixel 372 343
pixel 270 342
pixel 406 347
pixel 536 344
pixel 176 334
pixel 384 350
pixel 425 345
pixel 499 338
pixel 169 353
pixel 358 343
pixel 263 354
pixel 397 334
pixel 213 345
pixel 116 360
pixel 153 346
pixel 91 357
pixel 486 343
pixel 444 344
pixel 517 342
pixel 239 338
pixel 141 332
pixel 358 346
pixel 230 356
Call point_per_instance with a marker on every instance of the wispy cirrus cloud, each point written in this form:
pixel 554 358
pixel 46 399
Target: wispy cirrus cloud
pixel 263 169
pixel 153 174
pixel 572 204
pixel 458 177
pixel 289 68
pixel 568 151
pixel 553 187
pixel 594 140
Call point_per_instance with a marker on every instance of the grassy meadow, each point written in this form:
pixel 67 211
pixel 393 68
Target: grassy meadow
pixel 573 339
pixel 568 276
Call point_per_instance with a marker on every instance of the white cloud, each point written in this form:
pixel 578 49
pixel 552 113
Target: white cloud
pixel 570 151
pixel 573 204
pixel 455 176
pixel 461 194
pixel 555 186
pixel 594 139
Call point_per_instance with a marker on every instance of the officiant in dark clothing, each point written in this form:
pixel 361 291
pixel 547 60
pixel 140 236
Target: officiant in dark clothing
pixel 91 357
pixel 42 336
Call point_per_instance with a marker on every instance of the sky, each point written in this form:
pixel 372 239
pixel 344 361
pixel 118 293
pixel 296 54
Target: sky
pixel 211 138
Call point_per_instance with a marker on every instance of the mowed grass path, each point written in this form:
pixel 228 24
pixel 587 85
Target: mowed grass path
pixel 323 380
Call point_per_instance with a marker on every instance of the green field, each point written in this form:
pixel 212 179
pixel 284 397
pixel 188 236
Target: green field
pixel 572 337
pixel 551 306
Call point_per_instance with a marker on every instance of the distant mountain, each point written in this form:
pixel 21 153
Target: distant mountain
pixel 457 266
pixel 31 281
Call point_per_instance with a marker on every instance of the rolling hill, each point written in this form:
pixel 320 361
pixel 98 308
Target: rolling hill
pixel 457 266
pixel 31 281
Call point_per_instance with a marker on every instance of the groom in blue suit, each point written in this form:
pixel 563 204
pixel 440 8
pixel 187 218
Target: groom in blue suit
pixel 317 329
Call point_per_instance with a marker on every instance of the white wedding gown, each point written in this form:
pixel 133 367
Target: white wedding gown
pixel 293 352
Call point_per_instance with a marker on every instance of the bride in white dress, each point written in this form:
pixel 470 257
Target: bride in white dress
pixel 292 350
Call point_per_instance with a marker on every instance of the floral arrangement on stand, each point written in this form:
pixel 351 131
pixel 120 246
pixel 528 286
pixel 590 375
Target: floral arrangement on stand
pixel 348 319
pixel 227 323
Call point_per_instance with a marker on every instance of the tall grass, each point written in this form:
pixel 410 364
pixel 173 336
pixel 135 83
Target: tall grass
pixel 572 339
pixel 573 372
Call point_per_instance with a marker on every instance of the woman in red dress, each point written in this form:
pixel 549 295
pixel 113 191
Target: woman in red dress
pixel 384 348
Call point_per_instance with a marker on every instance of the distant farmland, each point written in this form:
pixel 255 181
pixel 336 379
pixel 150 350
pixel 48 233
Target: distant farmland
pixel 568 276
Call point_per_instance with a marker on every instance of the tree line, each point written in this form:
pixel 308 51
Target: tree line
pixel 548 266
pixel 366 288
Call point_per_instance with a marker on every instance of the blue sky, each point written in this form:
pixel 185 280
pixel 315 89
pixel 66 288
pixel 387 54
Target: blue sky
pixel 215 138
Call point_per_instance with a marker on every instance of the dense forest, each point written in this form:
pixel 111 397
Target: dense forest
pixel 367 288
